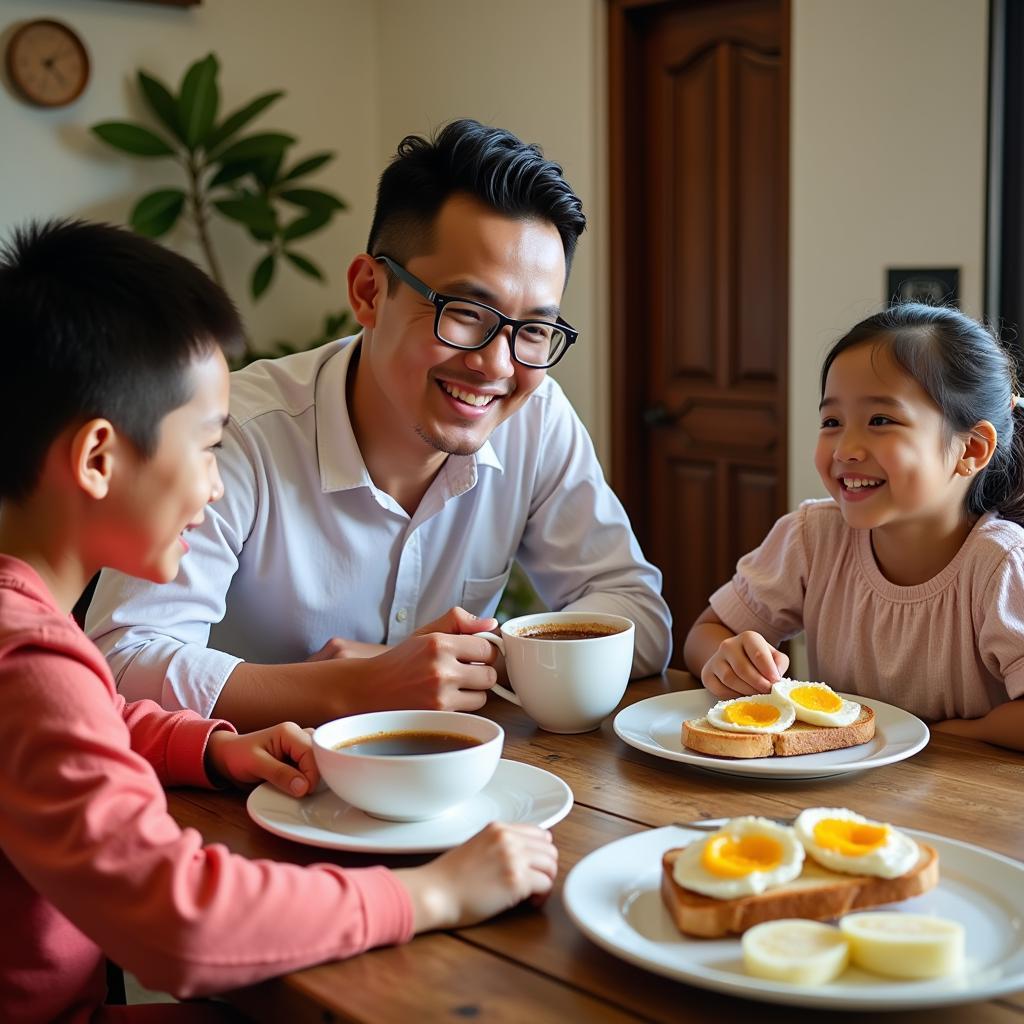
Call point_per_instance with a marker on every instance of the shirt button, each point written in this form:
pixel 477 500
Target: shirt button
pixel 401 615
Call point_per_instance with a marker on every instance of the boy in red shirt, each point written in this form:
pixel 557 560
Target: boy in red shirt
pixel 116 396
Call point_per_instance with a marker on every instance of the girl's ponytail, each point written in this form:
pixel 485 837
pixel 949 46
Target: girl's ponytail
pixel 1010 501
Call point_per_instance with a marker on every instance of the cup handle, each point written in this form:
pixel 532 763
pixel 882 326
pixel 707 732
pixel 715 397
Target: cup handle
pixel 501 691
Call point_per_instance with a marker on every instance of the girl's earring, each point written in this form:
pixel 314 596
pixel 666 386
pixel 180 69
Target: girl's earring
pixel 968 470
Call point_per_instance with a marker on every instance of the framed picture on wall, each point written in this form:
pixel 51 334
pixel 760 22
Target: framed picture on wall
pixel 934 286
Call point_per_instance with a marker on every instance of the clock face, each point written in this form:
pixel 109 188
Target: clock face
pixel 47 63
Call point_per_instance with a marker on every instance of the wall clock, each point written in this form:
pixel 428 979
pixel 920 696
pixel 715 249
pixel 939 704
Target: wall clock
pixel 47 63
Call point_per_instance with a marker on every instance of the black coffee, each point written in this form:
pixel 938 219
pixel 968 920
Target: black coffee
pixel 568 631
pixel 408 742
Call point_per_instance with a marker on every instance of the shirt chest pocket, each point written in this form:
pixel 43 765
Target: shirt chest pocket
pixel 481 596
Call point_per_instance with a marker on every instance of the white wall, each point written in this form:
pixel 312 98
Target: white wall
pixel 360 74
pixel 323 53
pixel 535 67
pixel 888 169
pixel 888 136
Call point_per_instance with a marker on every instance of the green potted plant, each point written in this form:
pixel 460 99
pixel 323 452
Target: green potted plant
pixel 247 178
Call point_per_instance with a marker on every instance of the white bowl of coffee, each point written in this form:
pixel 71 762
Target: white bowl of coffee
pixel 407 765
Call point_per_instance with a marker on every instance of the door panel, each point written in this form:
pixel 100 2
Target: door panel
pixel 699 184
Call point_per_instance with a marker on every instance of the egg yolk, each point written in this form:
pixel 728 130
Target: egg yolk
pixel 749 713
pixel 736 856
pixel 816 698
pixel 851 838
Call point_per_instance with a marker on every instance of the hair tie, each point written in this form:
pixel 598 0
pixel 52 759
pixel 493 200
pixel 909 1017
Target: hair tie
pixel 1015 400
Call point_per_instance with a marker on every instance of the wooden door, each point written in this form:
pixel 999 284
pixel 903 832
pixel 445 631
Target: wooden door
pixel 699 185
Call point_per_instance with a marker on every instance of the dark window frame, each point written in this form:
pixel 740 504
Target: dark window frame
pixel 1004 234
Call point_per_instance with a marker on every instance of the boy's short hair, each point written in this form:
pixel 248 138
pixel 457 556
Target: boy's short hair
pixel 469 158
pixel 97 322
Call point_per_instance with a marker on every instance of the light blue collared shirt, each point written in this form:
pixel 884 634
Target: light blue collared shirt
pixel 303 546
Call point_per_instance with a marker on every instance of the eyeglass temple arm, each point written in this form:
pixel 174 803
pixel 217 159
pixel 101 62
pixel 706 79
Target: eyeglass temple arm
pixel 403 275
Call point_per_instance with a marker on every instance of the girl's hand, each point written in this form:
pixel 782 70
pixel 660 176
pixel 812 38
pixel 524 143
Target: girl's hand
pixel 496 869
pixel 743 665
pixel 281 755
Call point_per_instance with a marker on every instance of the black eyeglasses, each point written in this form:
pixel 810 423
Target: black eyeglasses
pixel 467 324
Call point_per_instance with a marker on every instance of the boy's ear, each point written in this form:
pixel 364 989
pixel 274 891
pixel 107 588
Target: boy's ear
pixel 367 285
pixel 93 452
pixel 979 447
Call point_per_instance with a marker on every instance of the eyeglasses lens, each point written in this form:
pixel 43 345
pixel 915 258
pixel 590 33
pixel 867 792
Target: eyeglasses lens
pixel 467 325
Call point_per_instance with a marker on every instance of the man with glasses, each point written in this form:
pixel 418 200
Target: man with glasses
pixel 377 490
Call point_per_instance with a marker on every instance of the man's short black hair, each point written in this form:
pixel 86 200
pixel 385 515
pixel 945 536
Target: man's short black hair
pixel 97 322
pixel 469 158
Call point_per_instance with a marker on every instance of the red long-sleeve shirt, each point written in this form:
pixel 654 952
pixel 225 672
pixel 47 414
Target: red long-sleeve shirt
pixel 91 863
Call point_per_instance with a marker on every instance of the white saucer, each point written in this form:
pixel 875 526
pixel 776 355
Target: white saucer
pixel 654 725
pixel 518 793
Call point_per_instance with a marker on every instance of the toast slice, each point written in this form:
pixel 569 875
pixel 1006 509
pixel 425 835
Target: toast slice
pixel 800 738
pixel 817 894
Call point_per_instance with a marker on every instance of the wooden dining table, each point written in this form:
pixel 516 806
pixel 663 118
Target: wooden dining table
pixel 530 965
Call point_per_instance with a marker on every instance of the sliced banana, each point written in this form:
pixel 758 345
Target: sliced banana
pixel 904 945
pixel 795 951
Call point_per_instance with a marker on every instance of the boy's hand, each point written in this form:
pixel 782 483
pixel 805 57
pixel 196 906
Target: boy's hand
pixel 496 869
pixel 743 665
pixel 281 755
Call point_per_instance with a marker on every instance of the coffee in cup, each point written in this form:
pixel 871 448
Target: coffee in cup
pixel 568 631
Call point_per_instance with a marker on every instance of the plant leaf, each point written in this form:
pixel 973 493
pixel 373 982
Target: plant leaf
pixel 307 266
pixel 132 138
pixel 265 171
pixel 336 324
pixel 255 212
pixel 232 124
pixel 198 101
pixel 307 166
pixel 255 146
pixel 156 213
pixel 232 172
pixel 313 199
pixel 305 225
pixel 262 275
pixel 161 102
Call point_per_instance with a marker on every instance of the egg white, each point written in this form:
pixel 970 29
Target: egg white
pixel 847 714
pixel 895 857
pixel 787 716
pixel 690 872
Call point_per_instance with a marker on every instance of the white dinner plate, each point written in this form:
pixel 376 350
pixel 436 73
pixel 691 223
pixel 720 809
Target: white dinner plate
pixel 655 726
pixel 613 897
pixel 518 793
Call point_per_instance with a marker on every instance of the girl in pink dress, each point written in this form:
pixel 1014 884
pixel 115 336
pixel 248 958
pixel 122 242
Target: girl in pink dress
pixel 909 580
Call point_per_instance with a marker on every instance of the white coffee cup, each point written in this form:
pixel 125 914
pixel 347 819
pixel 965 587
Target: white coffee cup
pixel 565 685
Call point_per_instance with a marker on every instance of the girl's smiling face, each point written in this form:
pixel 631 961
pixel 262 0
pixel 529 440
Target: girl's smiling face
pixel 883 451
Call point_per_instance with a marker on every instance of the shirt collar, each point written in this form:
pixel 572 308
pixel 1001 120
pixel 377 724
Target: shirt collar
pixel 341 463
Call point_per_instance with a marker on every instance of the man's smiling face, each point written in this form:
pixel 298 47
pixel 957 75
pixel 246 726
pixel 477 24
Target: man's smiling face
pixel 427 394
